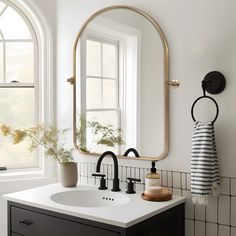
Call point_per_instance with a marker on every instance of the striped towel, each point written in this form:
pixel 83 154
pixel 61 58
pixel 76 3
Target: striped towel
pixel 204 164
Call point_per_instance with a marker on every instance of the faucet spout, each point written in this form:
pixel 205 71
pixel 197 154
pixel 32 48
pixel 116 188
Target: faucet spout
pixel 116 187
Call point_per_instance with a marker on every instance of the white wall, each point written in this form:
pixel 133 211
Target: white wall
pixel 201 36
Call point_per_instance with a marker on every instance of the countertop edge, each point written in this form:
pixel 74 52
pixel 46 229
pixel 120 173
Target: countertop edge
pixel 94 218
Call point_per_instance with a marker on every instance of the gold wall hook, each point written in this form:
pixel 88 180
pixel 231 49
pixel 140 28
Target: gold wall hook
pixel 174 83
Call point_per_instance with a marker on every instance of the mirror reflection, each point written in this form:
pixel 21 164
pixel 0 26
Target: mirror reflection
pixel 120 85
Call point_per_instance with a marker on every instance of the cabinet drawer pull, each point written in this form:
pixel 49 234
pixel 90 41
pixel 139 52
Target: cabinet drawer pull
pixel 25 223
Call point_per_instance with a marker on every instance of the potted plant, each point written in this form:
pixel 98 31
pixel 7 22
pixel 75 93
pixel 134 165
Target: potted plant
pixel 47 137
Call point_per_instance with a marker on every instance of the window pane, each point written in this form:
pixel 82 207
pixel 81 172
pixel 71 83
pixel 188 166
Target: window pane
pixel 1 62
pixel 93 93
pixel 93 58
pixel 105 118
pixel 109 93
pixel 14 102
pixel 19 112
pixel 109 60
pixel 19 62
pixel 13 26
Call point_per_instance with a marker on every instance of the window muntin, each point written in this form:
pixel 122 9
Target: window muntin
pixel 102 82
pixel 18 83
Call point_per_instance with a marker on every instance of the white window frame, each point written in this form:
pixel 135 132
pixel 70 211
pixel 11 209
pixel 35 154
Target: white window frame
pixel 129 67
pixel 44 86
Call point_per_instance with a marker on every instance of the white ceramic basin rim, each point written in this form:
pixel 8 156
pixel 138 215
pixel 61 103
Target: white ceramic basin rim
pixel 90 198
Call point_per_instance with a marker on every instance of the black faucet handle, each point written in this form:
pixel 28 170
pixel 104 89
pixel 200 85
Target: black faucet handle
pixel 102 181
pixel 99 175
pixel 130 185
pixel 133 179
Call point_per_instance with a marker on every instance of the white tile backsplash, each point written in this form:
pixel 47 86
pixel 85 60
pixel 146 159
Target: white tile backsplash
pixel 188 182
pixel 224 230
pixel 233 186
pixel 189 227
pixel 233 232
pixel 164 178
pixel 224 186
pixel 211 229
pixel 233 211
pixel 211 210
pixel 224 210
pixel 176 180
pixel 184 180
pixel 200 228
pixel 218 218
pixel 200 212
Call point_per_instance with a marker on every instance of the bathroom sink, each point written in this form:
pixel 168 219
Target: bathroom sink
pixel 90 198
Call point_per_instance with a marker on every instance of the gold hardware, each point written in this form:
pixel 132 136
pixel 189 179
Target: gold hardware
pixel 174 83
pixel 71 80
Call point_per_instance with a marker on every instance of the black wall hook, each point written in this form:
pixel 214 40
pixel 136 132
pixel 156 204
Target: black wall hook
pixel 214 83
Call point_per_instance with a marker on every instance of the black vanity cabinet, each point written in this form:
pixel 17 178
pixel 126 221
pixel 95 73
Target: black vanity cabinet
pixel 24 220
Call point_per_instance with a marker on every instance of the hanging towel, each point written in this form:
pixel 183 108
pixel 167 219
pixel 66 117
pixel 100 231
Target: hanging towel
pixel 204 164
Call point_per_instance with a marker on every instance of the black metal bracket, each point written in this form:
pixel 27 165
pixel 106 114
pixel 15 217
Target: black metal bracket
pixel 214 82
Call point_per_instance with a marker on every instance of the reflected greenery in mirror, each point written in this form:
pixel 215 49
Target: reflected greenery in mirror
pixel 100 135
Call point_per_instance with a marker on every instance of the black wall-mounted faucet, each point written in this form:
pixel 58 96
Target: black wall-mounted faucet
pixel 116 182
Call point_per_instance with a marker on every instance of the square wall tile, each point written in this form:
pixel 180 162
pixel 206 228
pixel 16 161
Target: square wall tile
pixel 170 178
pixel 211 210
pixel 137 173
pixel 184 181
pixel 164 178
pixel 233 186
pixel 211 229
pixel 200 212
pixel 176 180
pixel 233 231
pixel 142 175
pixel 224 186
pixel 189 207
pixel 189 228
pixel 233 211
pixel 200 228
pixel 120 170
pixel 188 182
pixel 224 230
pixel 224 210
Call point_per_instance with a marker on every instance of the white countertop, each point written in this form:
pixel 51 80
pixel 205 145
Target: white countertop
pixel 126 215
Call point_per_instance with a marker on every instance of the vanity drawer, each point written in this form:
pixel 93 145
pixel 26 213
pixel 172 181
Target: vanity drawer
pixel 30 223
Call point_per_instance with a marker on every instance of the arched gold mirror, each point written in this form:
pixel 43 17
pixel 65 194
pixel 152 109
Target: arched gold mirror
pixel 120 84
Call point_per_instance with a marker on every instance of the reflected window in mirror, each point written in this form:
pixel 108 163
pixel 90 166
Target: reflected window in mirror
pixel 109 54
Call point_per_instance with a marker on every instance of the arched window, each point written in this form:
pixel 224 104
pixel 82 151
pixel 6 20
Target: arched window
pixel 22 72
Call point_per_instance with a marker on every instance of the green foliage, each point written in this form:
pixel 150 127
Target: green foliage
pixel 48 137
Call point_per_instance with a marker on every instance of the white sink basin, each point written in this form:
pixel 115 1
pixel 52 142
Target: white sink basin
pixel 90 198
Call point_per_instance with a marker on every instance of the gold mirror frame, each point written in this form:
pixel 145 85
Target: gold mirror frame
pixel 72 80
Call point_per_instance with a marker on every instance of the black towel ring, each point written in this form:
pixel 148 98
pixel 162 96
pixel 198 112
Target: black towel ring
pixel 204 96
pixel 214 82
